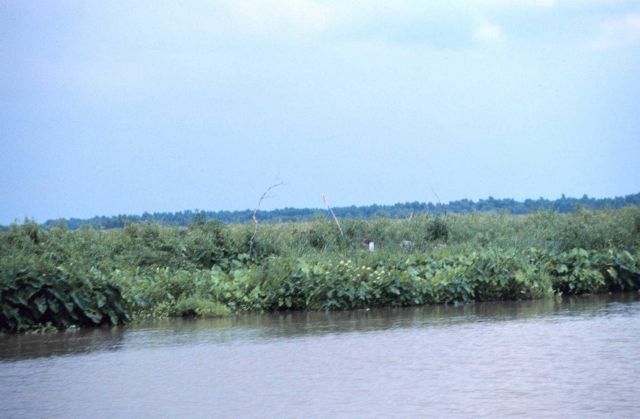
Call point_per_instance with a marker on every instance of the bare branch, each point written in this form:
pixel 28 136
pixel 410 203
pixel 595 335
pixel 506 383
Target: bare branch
pixel 326 202
pixel 437 197
pixel 255 214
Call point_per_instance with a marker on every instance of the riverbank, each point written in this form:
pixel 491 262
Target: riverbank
pixel 55 278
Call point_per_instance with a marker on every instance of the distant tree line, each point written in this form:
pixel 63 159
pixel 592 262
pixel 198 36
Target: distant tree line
pixel 399 210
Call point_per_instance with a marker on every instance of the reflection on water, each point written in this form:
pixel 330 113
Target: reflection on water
pixel 573 357
pixel 257 327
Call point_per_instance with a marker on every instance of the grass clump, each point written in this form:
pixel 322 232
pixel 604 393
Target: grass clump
pixel 195 306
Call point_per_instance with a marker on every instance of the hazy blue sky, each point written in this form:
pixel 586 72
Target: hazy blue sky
pixel 114 107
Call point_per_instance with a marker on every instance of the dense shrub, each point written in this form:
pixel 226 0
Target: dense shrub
pixel 438 230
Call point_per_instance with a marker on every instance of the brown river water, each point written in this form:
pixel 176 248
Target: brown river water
pixel 578 357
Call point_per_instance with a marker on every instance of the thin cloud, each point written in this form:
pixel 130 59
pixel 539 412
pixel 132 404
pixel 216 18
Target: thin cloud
pixel 488 34
pixel 618 33
pixel 281 17
pixel 287 18
pixel 541 4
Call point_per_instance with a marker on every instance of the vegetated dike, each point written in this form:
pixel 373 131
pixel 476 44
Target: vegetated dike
pixel 55 278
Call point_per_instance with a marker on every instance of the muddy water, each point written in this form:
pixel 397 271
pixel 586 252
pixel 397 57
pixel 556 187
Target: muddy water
pixel 575 358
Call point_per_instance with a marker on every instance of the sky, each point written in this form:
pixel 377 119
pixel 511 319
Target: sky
pixel 120 107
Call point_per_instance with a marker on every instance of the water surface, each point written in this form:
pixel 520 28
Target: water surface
pixel 575 358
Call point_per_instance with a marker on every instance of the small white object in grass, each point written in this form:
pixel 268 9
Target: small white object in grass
pixel 372 246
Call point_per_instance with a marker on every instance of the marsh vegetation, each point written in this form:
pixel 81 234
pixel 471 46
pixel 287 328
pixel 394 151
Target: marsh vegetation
pixel 53 278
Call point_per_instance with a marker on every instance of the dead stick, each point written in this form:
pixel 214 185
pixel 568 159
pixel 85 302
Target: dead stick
pixel 255 215
pixel 326 202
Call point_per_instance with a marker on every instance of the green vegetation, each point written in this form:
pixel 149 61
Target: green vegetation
pixel 55 277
